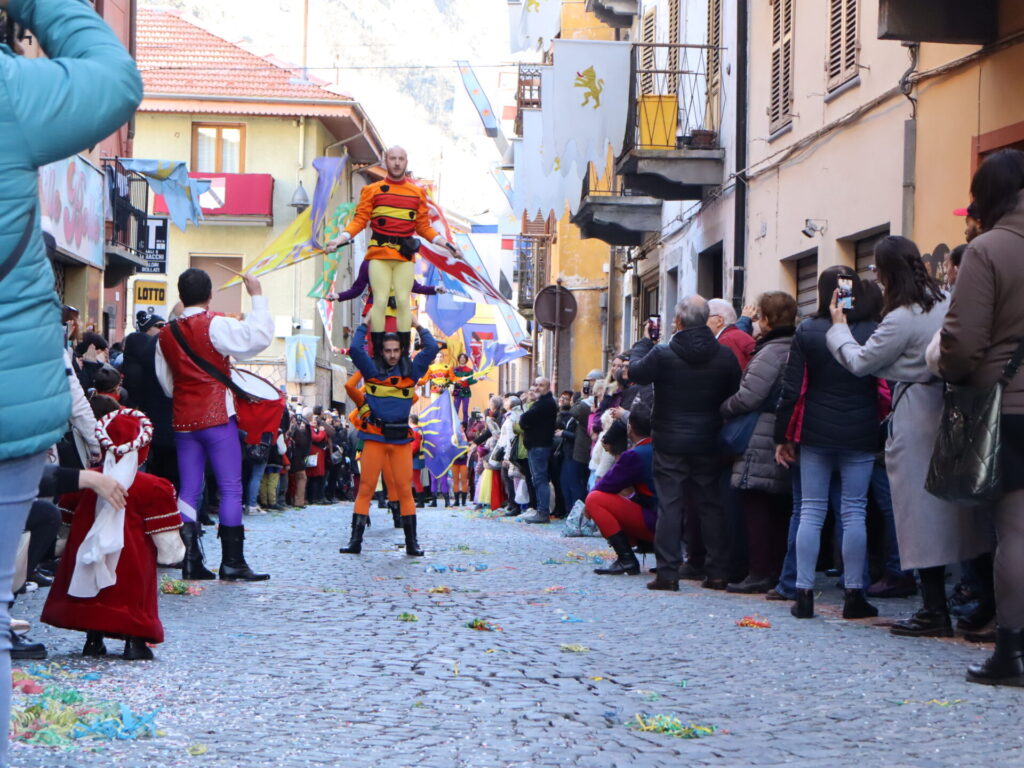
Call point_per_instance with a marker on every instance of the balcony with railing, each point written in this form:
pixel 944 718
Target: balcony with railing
pixel 613 213
pixel 233 198
pixel 672 148
pixel 530 268
pixel 125 231
pixel 527 93
pixel 615 13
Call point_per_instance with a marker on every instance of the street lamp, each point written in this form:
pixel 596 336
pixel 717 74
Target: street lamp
pixel 300 199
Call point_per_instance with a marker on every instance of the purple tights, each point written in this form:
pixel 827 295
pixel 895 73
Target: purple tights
pixel 219 445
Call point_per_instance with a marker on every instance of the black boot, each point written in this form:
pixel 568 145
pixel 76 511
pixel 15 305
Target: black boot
pixel 933 618
pixel 382 500
pixel 412 546
pixel 22 650
pixel 355 542
pixel 433 499
pixel 135 649
pixel 377 338
pixel 447 500
pixel 192 567
pixel 396 513
pixel 1006 665
pixel 420 501
pixel 232 561
pixel 855 606
pixel 625 563
pixel 405 362
pixel 803 608
pixel 94 644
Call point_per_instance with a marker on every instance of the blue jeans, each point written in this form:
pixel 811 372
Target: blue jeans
pixel 574 486
pixel 816 468
pixel 252 486
pixel 540 460
pixel 883 498
pixel 19 485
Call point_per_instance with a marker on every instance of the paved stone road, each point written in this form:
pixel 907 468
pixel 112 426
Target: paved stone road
pixel 314 668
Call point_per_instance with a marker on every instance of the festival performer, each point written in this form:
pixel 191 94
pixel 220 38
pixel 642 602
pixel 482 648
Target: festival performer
pixel 362 282
pixel 357 395
pixel 419 461
pixel 203 413
pixel 462 376
pixel 387 438
pixel 106 584
pixel 395 209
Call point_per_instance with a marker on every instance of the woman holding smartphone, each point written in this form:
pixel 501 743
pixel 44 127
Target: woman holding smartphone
pixel 931 532
pixel 839 432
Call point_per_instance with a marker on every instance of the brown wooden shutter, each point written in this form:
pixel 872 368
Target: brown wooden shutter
pixel 648 35
pixel 673 53
pixel 781 96
pixel 843 46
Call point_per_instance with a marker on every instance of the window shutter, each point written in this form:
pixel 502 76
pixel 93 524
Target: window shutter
pixel 673 53
pixel 714 54
pixel 648 35
pixel 781 96
pixel 843 48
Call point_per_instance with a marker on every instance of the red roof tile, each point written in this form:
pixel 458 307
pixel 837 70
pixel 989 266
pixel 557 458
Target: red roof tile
pixel 179 57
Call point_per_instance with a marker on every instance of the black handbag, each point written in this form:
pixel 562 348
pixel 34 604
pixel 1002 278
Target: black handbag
pixel 966 465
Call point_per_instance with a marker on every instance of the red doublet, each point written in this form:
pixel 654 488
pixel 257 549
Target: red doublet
pixel 129 607
pixel 199 399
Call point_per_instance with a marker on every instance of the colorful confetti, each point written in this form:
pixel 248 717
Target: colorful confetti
pixel 574 648
pixel 169 586
pixel 440 590
pixel 670 725
pixel 408 617
pixel 757 621
pixel 482 625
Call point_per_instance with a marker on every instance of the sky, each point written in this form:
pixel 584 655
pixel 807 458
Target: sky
pixel 397 58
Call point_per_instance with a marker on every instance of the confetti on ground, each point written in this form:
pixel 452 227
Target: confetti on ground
pixel 171 586
pixel 649 695
pixel 440 590
pixel 195 750
pixel 931 702
pixel 670 725
pixel 597 679
pixel 408 617
pixel 569 619
pixel 483 625
pixel 334 591
pixel 574 648
pixel 757 621
pixel 554 589
pixel 682 683
pixel 468 568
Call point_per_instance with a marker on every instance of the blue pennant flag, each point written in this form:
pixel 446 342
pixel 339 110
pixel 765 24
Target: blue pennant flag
pixel 449 311
pixel 170 178
pixel 443 438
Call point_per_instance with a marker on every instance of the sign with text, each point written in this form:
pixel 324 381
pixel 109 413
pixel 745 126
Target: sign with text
pixel 150 293
pixel 153 246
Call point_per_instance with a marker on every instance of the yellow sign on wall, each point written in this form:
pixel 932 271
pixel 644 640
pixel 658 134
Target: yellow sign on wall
pixel 147 292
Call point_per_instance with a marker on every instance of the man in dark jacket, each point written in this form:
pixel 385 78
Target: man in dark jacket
pixel 692 376
pixel 538 429
pixel 146 395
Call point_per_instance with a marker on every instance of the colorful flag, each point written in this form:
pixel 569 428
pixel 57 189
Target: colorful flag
pixel 342 215
pixel 300 358
pixel 305 237
pixel 503 181
pixel 170 179
pixel 479 98
pixel 472 275
pixel 533 23
pixel 443 438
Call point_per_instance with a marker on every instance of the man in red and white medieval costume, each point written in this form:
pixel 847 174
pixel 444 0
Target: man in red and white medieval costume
pixel 193 366
pixel 106 585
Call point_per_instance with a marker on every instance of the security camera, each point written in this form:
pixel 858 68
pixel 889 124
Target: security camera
pixel 807 232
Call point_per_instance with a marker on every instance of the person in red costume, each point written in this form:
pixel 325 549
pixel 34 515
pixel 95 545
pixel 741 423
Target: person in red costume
pixel 106 585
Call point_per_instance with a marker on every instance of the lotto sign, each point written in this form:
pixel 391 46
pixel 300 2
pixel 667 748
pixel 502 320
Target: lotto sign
pixel 148 293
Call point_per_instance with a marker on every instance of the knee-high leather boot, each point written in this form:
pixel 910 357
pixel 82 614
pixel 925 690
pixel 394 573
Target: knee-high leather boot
pixel 232 563
pixel 625 562
pixel 412 546
pixel 355 542
pixel 192 567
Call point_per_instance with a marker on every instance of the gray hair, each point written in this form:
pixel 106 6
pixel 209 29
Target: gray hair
pixel 723 309
pixel 692 311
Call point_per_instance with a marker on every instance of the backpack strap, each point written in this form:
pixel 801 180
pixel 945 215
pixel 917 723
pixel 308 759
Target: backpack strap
pixel 205 365
pixel 8 264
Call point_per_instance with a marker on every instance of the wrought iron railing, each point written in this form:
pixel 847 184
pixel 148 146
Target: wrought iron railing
pixel 676 97
pixel 129 203
pixel 607 185
pixel 527 93
pixel 530 269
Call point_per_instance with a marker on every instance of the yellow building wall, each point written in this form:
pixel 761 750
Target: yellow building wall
pixel 272 145
pixel 952 111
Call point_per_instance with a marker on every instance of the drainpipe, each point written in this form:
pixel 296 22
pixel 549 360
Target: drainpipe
pixel 739 257
pixel 909 145
pixel 302 142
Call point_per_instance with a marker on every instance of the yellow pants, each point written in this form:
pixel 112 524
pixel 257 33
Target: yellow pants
pixel 387 276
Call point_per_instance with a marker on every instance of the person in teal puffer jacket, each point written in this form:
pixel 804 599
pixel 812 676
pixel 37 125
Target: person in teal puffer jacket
pixel 49 110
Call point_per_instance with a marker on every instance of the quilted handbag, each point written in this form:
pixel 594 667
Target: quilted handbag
pixel 966 465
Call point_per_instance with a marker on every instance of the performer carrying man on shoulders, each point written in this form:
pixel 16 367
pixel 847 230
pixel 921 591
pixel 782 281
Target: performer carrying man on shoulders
pixel 387 437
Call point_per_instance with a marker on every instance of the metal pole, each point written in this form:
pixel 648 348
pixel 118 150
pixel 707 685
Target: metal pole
pixel 557 331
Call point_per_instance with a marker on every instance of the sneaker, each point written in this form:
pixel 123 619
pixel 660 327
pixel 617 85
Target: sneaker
pixel 537 517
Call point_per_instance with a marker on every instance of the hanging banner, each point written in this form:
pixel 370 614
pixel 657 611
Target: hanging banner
pixel 443 438
pixel 544 182
pixel 585 97
pixel 503 181
pixel 171 180
pixel 325 284
pixel 300 358
pixel 479 98
pixel 533 24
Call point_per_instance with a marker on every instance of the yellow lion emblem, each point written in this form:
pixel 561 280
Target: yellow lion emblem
pixel 532 5
pixel 591 85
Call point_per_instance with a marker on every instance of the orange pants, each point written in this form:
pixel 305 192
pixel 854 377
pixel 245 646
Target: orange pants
pixel 460 478
pixel 398 459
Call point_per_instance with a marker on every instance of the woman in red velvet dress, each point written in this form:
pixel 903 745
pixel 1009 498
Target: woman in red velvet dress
pixel 127 608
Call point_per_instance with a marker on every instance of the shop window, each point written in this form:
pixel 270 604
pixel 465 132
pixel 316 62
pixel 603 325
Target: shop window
pixel 218 148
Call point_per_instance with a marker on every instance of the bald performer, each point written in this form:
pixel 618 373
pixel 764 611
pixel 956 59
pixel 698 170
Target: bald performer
pixel 395 209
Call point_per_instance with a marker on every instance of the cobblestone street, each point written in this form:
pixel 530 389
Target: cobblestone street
pixel 315 667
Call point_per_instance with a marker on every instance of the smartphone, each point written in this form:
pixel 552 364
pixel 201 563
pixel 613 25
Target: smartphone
pixel 654 327
pixel 845 300
pixel 586 387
